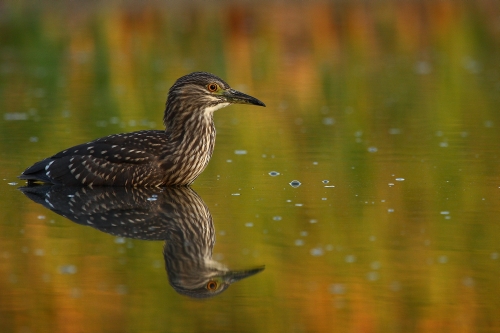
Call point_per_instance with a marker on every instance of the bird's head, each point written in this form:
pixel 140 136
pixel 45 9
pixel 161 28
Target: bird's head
pixel 205 92
pixel 212 282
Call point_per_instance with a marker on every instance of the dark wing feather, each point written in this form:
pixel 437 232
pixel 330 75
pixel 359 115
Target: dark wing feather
pixel 113 160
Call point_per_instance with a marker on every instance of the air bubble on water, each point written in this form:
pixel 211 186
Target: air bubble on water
pixel 337 289
pixel 120 240
pixel 295 183
pixel 67 269
pixel 316 252
pixel 350 258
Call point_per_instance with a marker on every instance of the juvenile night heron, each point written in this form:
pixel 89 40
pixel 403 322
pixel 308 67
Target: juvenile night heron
pixel 176 215
pixel 175 156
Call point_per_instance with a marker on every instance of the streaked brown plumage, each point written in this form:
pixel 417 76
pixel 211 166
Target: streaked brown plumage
pixel 176 215
pixel 175 156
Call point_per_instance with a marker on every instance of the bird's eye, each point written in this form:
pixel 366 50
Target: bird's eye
pixel 212 87
pixel 211 285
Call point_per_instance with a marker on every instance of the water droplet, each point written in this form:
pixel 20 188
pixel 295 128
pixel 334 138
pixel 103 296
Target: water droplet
pixel 423 67
pixel 350 258
pixel 67 269
pixel 274 173
pixel 325 181
pixel 120 240
pixel 337 288
pixel 121 289
pixel 316 252
pixel 277 218
pixel 328 121
pixel 372 276
pixel 295 183
pixel 468 281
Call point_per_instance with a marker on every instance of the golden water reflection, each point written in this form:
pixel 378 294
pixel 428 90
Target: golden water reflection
pixel 386 112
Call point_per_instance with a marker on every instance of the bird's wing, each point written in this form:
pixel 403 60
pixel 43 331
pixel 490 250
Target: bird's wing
pixel 113 160
pixel 118 211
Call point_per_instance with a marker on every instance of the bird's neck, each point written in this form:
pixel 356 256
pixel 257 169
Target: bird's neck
pixel 193 129
pixel 191 140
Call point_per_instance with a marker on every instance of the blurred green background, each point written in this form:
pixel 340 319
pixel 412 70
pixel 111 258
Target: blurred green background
pixel 387 112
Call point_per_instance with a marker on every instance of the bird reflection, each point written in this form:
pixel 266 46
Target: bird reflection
pixel 177 215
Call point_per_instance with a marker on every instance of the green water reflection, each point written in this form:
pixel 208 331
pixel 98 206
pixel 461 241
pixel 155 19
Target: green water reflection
pixel 387 113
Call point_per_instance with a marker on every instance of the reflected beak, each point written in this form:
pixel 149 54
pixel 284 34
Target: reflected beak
pixel 236 97
pixel 234 276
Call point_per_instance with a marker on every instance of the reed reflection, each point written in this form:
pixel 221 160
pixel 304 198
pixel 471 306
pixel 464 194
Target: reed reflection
pixel 177 215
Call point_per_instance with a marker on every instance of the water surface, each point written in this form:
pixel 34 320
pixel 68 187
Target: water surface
pixel 387 115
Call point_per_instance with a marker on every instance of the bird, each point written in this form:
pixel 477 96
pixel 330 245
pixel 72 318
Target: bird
pixel 174 214
pixel 175 156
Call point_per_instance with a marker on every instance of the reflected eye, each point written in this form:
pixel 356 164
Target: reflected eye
pixel 212 87
pixel 212 285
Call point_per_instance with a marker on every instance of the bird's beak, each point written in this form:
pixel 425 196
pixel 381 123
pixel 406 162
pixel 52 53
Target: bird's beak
pixel 234 276
pixel 236 97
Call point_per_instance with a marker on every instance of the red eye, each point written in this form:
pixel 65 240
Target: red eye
pixel 212 87
pixel 212 285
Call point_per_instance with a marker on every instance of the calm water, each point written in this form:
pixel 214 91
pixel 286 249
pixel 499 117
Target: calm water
pixel 387 115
